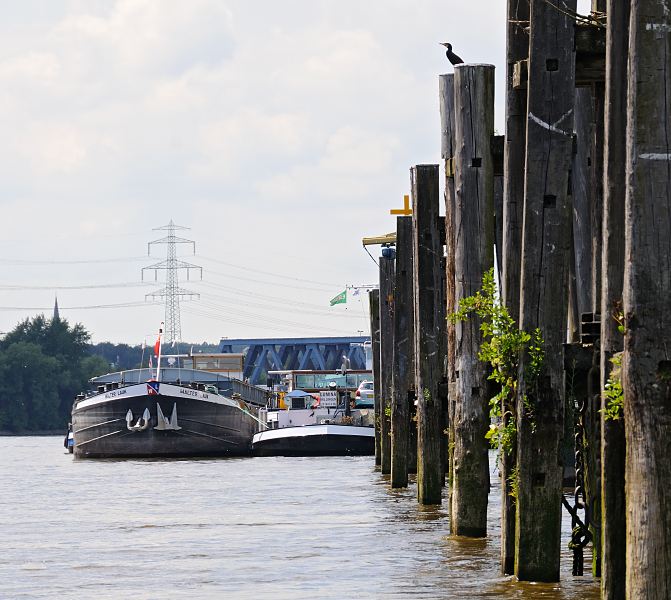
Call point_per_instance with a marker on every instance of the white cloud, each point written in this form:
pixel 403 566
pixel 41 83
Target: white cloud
pixel 53 148
pixel 282 132
pixel 159 37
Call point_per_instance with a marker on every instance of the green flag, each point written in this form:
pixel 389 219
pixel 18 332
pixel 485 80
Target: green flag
pixel 341 298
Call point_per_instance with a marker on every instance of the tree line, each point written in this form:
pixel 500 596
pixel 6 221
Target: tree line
pixel 45 363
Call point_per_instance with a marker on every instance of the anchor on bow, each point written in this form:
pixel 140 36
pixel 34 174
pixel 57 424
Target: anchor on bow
pixel 142 423
pixel 165 424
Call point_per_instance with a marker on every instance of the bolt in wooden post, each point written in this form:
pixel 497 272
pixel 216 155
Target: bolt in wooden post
pixel 374 307
pixel 404 350
pixel 474 222
pixel 427 250
pixel 517 48
pixel 647 290
pixel 543 303
pixel 386 358
pixel 613 525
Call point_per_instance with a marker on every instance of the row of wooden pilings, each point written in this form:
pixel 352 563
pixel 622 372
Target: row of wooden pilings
pixel 575 202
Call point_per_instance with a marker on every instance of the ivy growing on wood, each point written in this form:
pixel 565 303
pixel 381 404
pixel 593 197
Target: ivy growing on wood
pixel 503 343
pixel 614 408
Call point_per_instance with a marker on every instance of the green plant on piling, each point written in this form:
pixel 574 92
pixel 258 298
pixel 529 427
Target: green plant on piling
pixel 618 316
pixel 536 354
pixel 503 343
pixel 614 407
pixel 514 483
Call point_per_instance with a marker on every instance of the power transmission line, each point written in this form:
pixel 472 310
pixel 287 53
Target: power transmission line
pixel 172 292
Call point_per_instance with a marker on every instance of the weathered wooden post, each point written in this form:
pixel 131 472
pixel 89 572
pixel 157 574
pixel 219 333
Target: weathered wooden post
pixel 544 299
pixel 404 351
pixel 517 49
pixel 387 276
pixel 582 364
pixel 613 526
pixel 597 181
pixel 474 244
pixel 446 103
pixel 593 420
pixel 374 307
pixel 581 193
pixel 647 289
pixel 427 251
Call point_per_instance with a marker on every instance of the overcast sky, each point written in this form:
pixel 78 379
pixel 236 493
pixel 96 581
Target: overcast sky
pixel 279 132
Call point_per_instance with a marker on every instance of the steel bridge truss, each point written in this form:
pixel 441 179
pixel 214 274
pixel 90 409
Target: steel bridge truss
pixel 263 355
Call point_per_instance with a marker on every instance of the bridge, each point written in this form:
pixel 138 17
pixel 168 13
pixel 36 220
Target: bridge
pixel 276 354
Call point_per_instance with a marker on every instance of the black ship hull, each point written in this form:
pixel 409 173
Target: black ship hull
pixel 161 420
pixel 316 440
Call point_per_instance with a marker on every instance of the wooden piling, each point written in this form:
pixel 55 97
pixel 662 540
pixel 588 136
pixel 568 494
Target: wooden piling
pixel 543 303
pixel 647 289
pixel 517 49
pixel 374 307
pixel 586 253
pixel 613 526
pixel 474 222
pixel 446 102
pixel 403 377
pixel 581 192
pixel 593 421
pixel 596 191
pixel 387 277
pixel 427 251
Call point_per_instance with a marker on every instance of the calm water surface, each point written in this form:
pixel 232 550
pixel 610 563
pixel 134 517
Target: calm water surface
pixel 235 528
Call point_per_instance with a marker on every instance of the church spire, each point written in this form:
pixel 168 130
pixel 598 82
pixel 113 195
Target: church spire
pixel 56 315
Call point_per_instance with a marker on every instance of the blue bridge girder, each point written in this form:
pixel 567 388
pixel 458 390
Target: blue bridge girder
pixel 278 354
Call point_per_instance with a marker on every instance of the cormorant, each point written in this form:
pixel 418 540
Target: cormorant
pixel 451 56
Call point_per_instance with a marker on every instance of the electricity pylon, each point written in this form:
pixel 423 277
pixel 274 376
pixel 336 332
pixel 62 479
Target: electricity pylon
pixel 171 292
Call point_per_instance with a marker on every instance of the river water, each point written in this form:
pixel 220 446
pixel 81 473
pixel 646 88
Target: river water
pixel 247 528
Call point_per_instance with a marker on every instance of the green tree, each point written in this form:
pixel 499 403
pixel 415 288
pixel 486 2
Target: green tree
pixel 43 365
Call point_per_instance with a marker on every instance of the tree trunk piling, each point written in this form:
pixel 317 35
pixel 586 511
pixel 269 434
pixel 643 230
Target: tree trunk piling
pixel 646 372
pixel 613 525
pixel 387 282
pixel 404 349
pixel 517 49
pixel 374 308
pixel 427 250
pixel 543 303
pixel 474 242
pixel 446 103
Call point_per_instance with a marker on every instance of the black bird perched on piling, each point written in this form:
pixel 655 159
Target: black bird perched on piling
pixel 451 56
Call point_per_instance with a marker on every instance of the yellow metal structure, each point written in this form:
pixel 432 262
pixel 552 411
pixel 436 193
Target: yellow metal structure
pixel 387 238
pixel 406 210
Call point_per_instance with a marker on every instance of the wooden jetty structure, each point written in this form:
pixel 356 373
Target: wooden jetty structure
pixel 575 203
